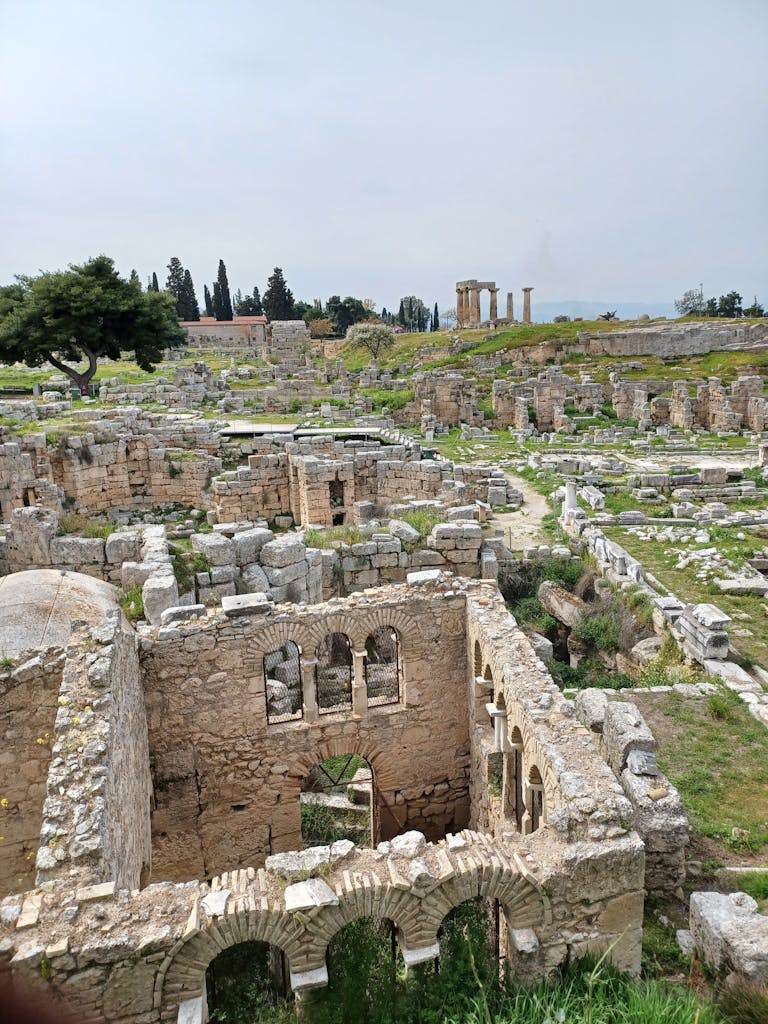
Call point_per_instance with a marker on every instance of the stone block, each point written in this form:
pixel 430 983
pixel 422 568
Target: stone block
pixel 625 729
pixel 160 592
pixel 590 706
pixel 249 543
pixel 282 551
pixel 246 604
pixel 218 549
pixel 122 546
pixel 77 551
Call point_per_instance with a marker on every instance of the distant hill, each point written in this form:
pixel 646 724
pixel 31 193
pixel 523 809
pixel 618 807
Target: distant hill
pixel 543 312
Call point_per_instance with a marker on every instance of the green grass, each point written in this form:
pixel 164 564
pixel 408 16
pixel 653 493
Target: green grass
pixel 132 604
pixel 384 399
pixel 71 523
pixel 422 519
pixel 718 760
pixel 332 537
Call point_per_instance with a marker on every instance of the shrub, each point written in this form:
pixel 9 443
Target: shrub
pixel 423 519
pixel 84 526
pixel 600 631
pixel 720 707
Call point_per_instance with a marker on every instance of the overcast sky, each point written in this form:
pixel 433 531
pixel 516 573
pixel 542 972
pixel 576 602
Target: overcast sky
pixel 596 149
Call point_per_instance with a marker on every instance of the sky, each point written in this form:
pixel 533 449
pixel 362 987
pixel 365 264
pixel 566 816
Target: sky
pixel 596 150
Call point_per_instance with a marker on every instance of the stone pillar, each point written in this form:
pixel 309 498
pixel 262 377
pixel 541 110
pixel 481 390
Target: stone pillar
pixel 763 454
pixel 494 306
pixel 474 313
pixel 499 718
pixel 308 689
pixel 510 306
pixel 359 689
pixel 459 307
pixel 527 305
pixel 570 496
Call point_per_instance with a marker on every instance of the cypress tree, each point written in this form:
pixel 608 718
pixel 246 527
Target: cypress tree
pixel 226 300
pixel 257 308
pixel 278 298
pixel 175 286
pixel 217 305
pixel 401 314
pixel 154 286
pixel 192 310
pixel 435 319
pixel 208 301
pixel 135 279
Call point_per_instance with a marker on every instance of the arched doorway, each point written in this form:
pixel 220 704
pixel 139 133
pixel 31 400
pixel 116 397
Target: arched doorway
pixel 338 801
pixel 282 683
pixel 246 982
pixel 382 666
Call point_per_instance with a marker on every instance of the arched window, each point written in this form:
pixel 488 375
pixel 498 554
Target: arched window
pixel 478 660
pixel 333 674
pixel 514 806
pixel 382 667
pixel 535 797
pixel 282 683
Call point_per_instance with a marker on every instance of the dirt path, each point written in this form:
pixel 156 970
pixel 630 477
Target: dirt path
pixel 522 528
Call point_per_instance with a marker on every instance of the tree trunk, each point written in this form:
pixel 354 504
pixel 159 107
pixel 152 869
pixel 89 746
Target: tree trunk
pixel 82 380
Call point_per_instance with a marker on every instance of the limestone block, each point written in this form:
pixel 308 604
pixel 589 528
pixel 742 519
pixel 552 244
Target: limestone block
pixel 223 574
pixel 282 551
pixel 734 677
pixel 403 531
pixel 160 592
pixel 135 574
pixel 249 543
pixel 590 706
pixel 715 918
pixel 564 606
pixel 77 550
pixel 253 579
pixel 122 546
pixel 289 574
pixel 246 604
pixel 625 729
pixel 409 844
pixel 219 550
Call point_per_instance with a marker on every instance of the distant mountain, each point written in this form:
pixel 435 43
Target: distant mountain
pixel 543 312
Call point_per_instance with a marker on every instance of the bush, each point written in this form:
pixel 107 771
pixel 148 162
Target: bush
pixel 720 707
pixel 84 526
pixel 600 631
pixel 423 520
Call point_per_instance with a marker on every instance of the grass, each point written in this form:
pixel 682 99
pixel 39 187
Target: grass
pixel 717 757
pixel 72 523
pixel 422 519
pixel 132 604
pixel 385 399
pixel 660 559
pixel 332 536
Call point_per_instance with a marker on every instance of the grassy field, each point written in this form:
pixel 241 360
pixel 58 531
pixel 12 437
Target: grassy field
pixel 748 613
pixel 716 754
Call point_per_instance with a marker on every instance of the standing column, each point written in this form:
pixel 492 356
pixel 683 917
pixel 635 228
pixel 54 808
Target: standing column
pixel 494 304
pixel 464 316
pixel 459 307
pixel 474 300
pixel 359 689
pixel 510 306
pixel 309 696
pixel 527 305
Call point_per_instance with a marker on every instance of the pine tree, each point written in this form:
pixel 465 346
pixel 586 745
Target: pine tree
pixel 226 301
pixel 208 301
pixel 435 319
pixel 191 308
pixel 155 283
pixel 218 308
pixel 278 298
pixel 175 286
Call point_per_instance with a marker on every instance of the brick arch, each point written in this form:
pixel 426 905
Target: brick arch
pixel 533 754
pixel 182 973
pixel 360 629
pixel 385 772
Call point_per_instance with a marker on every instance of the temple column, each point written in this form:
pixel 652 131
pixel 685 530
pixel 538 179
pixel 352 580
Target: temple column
pixel 474 301
pixel 494 305
pixel 527 305
pixel 459 307
pixel 510 306
pixel 464 316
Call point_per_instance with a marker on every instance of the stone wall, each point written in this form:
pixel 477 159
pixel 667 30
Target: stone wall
pixel 96 817
pixel 29 691
pixel 227 782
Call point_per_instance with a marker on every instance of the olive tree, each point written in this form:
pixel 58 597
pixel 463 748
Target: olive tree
pixel 376 338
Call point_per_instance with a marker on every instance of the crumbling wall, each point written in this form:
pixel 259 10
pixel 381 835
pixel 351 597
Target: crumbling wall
pixel 227 783
pixel 29 692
